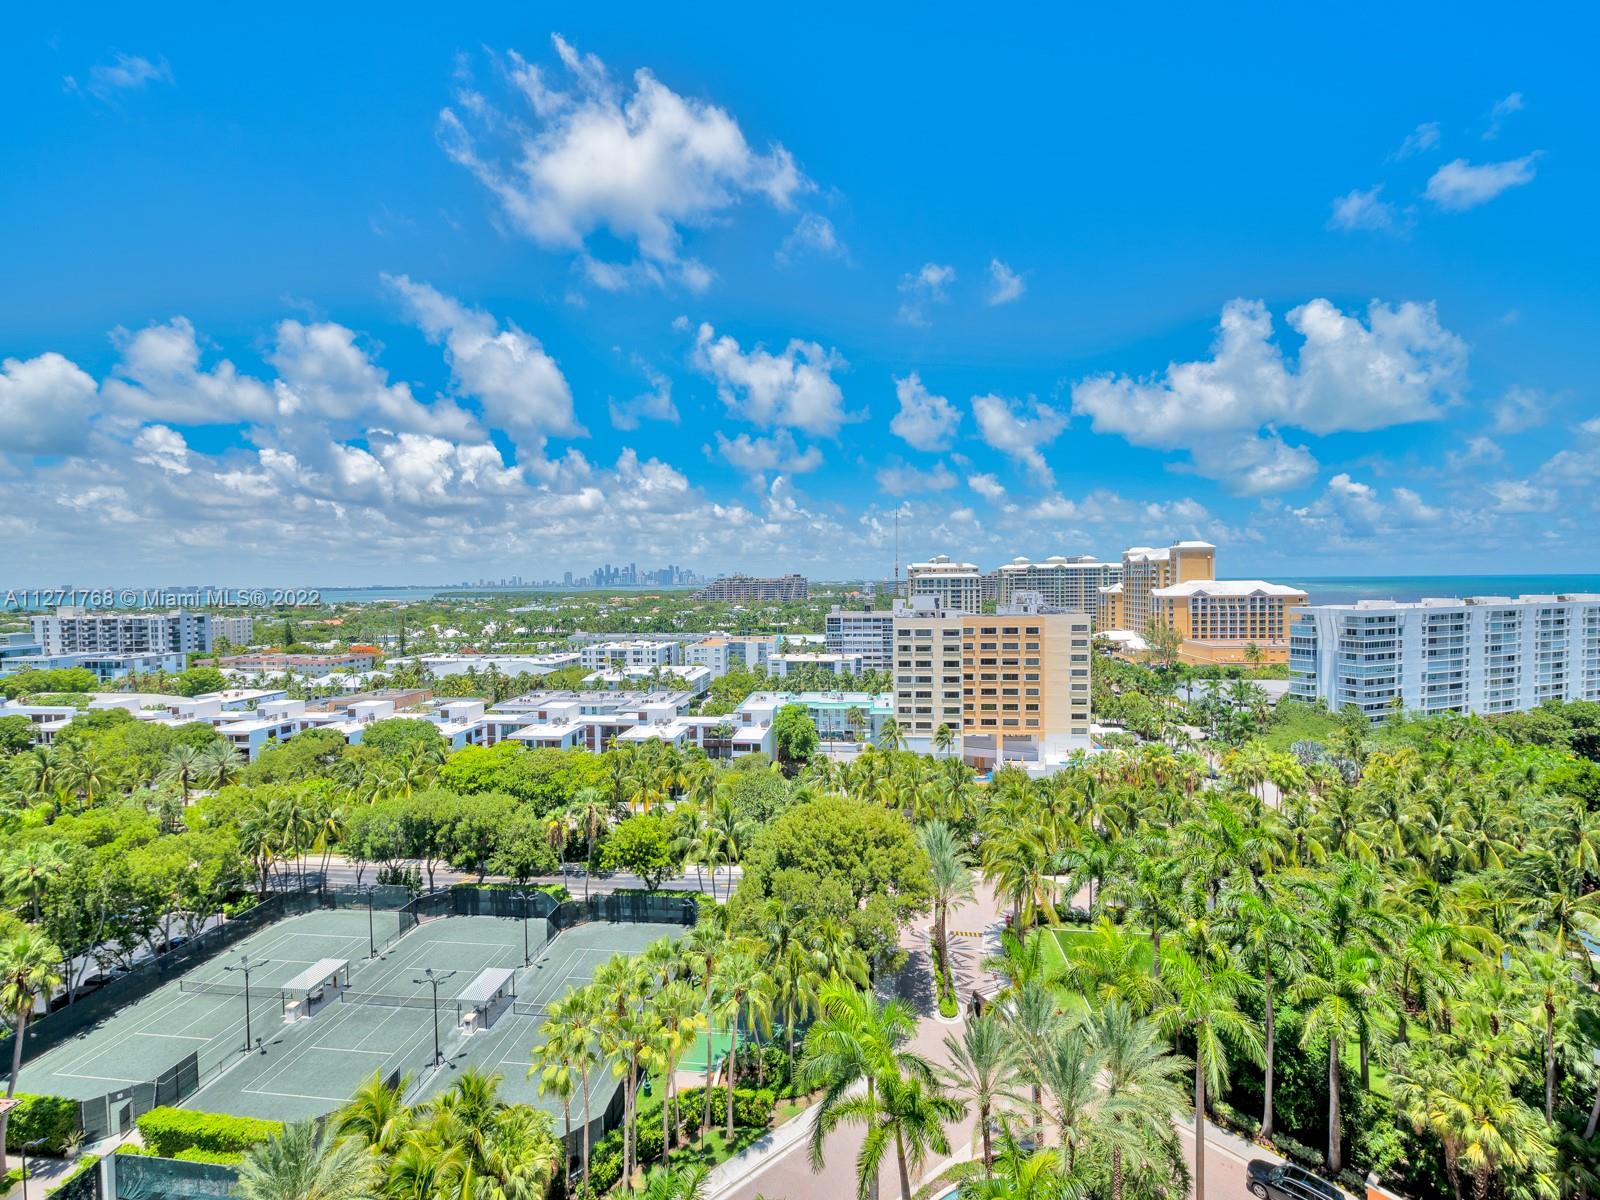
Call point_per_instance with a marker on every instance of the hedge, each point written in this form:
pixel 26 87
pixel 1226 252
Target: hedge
pixel 86 1163
pixel 54 1119
pixel 170 1131
pixel 225 1158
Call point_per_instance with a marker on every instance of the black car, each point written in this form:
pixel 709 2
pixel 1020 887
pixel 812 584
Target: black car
pixel 1284 1181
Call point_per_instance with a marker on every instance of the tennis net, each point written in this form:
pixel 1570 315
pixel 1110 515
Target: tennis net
pixel 530 1010
pixel 385 1000
pixel 212 987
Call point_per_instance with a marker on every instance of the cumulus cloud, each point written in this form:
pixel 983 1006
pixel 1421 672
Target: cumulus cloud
pixel 812 234
pixel 921 290
pixel 640 166
pixel 1460 185
pixel 322 372
pixel 1019 431
pixel 45 405
pixel 1519 409
pixel 925 420
pixel 759 455
pixel 507 371
pixel 987 486
pixel 1005 285
pixel 795 388
pixel 1521 496
pixel 1398 366
pixel 1349 508
pixel 898 479
pixel 159 378
pixel 653 405
pixel 162 448
pixel 1358 210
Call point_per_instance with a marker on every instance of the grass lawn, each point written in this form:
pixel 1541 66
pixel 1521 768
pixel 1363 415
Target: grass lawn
pixel 1309 725
pixel 1058 937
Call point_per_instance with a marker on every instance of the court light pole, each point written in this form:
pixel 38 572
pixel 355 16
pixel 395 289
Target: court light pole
pixel 26 1146
pixel 372 941
pixel 524 897
pixel 245 966
pixel 435 978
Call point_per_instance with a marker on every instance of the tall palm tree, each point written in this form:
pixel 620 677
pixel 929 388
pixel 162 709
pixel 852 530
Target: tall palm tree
pixel 307 1162
pixel 950 876
pixel 1266 926
pixel 857 1039
pixel 984 1069
pixel 1203 1002
pixel 1143 1084
pixel 685 1183
pixel 943 738
pixel 219 764
pixel 1067 1068
pixel 591 812
pixel 26 871
pixel 575 1020
pixel 1335 994
pixel 908 1113
pixel 182 765
pixel 28 962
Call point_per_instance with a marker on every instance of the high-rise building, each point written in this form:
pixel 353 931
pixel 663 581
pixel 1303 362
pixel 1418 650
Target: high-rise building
pixel 1025 684
pixel 1229 621
pixel 1127 603
pixel 864 631
pixel 1073 582
pixel 1483 654
pixel 948 583
pixel 79 631
pixel 927 673
pixel 745 587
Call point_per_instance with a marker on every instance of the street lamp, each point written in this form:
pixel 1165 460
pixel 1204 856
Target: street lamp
pixel 245 966
pixel 435 978
pixel 26 1146
pixel 372 941
pixel 525 897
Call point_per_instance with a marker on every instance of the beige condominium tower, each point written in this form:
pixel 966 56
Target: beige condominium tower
pixel 1221 621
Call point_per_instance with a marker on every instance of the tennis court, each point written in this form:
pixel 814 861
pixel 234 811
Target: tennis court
pixel 141 1042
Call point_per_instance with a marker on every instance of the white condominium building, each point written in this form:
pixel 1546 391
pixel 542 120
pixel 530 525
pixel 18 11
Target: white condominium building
pixel 1484 654
pixel 640 655
pixel 236 631
pixel 1072 583
pixel 79 631
pixel 950 584
pixel 867 632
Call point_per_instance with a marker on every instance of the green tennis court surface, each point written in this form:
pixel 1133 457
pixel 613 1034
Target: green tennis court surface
pixel 383 1023
pixel 694 1058
pixel 146 1038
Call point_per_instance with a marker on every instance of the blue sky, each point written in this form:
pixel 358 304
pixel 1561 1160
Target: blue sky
pixel 344 297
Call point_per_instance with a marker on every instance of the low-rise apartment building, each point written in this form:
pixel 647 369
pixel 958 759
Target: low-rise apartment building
pixel 106 667
pixel 1481 654
pixel 781 665
pixel 720 653
pixel 309 665
pixel 73 630
pixel 741 588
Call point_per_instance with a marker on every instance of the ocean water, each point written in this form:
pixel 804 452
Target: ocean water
pixel 1347 589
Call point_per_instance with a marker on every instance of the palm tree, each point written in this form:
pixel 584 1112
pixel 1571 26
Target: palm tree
pixel 796 978
pixel 890 735
pixel 678 1007
pixel 1066 1069
pixel 1267 929
pixel 950 876
pixel 1547 978
pixel 910 1113
pixel 857 1039
pixel 376 1116
pixel 1335 995
pixel 1142 1082
pixel 943 738
pixel 985 1070
pixel 1203 1002
pixel 27 870
pixel 591 812
pixel 28 974
pixel 182 766
pixel 575 1020
pixel 219 764
pixel 306 1162
pixel 685 1183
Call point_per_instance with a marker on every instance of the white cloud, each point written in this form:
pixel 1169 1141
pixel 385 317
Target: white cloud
pixel 1477 451
pixel 159 379
pixel 322 372
pixel 1360 210
pixel 1519 409
pixel 987 486
pixel 1497 115
pixel 923 289
pixel 925 420
pixel 1460 185
pixel 794 389
pixel 902 480
pixel 1005 285
pixel 1521 496
pixel 1226 411
pixel 654 405
pixel 812 234
pixel 639 167
pixel 45 405
pixel 1022 437
pixel 1348 508
pixel 521 388
pixel 128 73
pixel 1421 139
pixel 758 455
pixel 163 449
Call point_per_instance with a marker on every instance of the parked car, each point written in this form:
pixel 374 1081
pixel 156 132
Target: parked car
pixel 1285 1181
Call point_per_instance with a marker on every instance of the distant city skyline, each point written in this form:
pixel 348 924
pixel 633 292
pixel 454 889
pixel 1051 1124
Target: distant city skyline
pixel 454 293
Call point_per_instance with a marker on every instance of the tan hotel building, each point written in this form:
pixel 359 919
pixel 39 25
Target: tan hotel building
pixel 1216 620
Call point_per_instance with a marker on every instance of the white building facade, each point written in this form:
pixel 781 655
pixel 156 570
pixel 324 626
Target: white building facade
pixel 1072 583
pixel 79 631
pixel 949 584
pixel 868 633
pixel 1483 654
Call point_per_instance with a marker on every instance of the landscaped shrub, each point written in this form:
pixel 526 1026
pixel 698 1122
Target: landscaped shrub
pixel 53 1119
pixel 226 1158
pixel 168 1131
